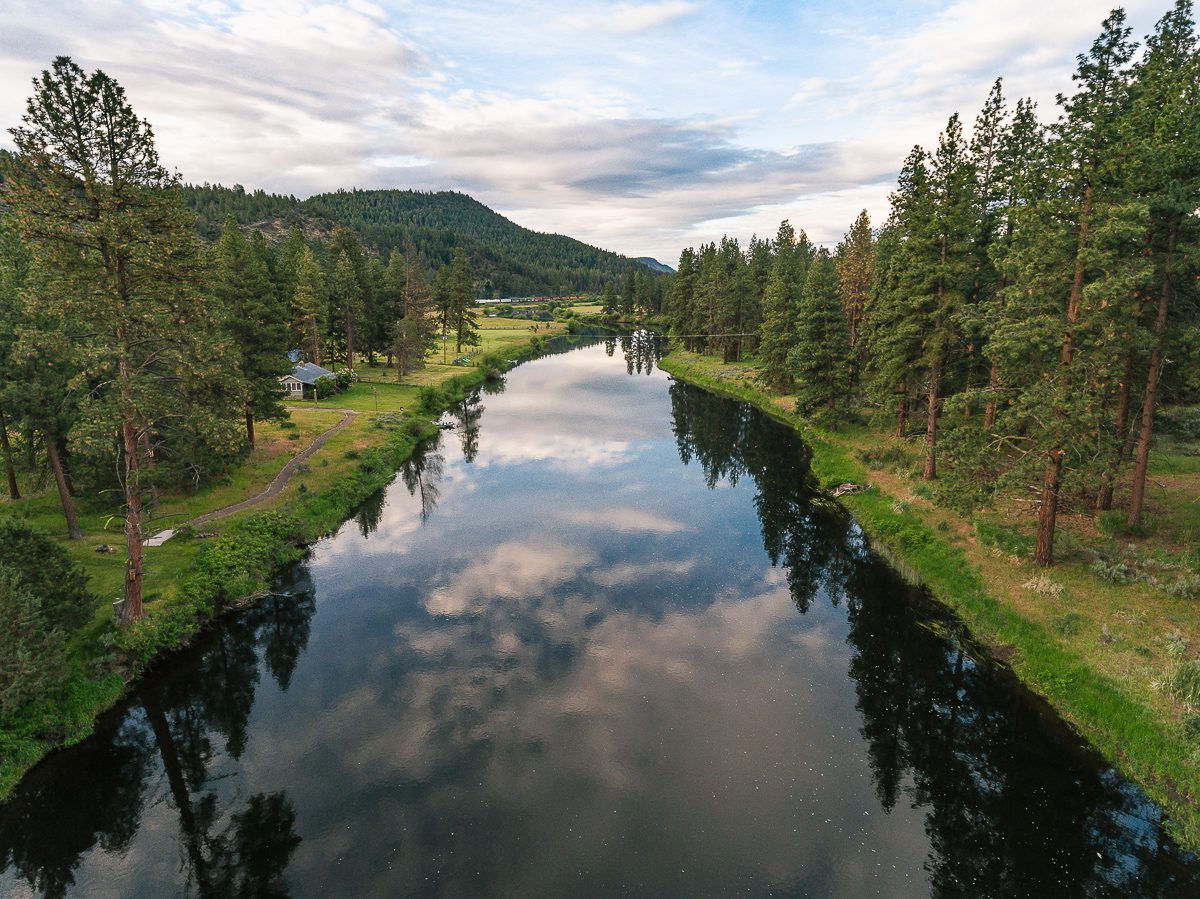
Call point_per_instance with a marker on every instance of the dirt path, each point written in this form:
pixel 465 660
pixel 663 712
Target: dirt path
pixel 273 489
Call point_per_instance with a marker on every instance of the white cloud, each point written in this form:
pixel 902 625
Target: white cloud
pixel 627 518
pixel 600 123
pixel 628 18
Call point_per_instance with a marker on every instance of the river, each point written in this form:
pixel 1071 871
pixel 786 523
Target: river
pixel 600 638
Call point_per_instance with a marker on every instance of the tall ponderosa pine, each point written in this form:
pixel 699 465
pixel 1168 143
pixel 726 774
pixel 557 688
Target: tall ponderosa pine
pixel 681 303
pixel 781 302
pixel 308 303
pixel 820 358
pixel 942 261
pixel 1163 125
pixel 894 328
pixel 1018 179
pixel 346 302
pixel 414 334
pixel 856 271
pixel 255 321
pixel 115 251
pixel 1052 265
pixel 461 287
pixel 351 301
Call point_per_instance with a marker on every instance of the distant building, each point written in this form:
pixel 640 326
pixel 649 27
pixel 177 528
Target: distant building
pixel 305 374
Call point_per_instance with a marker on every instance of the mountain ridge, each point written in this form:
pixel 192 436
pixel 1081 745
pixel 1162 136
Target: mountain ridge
pixel 508 258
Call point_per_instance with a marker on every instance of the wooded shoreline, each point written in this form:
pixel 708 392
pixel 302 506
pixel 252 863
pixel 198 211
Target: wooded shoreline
pixel 231 572
pixel 1139 739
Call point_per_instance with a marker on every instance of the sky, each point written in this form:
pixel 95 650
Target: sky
pixel 641 126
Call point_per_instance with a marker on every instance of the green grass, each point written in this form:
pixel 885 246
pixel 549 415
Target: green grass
pixel 1060 659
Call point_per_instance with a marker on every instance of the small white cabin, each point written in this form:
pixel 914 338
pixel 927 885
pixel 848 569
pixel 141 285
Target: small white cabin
pixel 305 374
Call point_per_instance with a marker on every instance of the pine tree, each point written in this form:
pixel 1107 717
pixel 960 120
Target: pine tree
pixel 682 298
pixel 114 247
pixel 1164 122
pixel 389 296
pixel 1017 177
pixel 943 260
pixel 856 274
pixel 414 334
pixel 462 302
pixel 308 303
pixel 255 321
pixel 730 290
pixel 1050 265
pixel 346 300
pixel 629 292
pixel 609 300
pixel 820 358
pixel 443 304
pixel 781 302
pixel 286 268
pixel 895 322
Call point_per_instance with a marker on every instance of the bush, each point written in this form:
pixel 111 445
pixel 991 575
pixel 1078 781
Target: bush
pixel 345 379
pixel 1183 682
pixel 1118 571
pixel 48 572
pixel 31 644
pixel 1069 624
pixel 326 387
pixel 1185 587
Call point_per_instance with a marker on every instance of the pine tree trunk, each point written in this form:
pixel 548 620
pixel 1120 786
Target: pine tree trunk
pixel 935 377
pixel 989 409
pixel 1138 498
pixel 1043 553
pixel 316 342
pixel 349 345
pixel 64 492
pixel 1073 300
pixel 1104 497
pixel 131 609
pixel 902 411
pixel 13 492
pixel 250 426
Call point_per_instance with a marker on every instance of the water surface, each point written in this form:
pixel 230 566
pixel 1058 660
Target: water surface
pixel 600 638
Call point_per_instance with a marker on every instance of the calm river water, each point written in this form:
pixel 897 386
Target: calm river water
pixel 599 639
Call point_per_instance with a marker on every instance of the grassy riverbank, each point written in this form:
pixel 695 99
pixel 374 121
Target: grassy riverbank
pixel 1098 650
pixel 190 582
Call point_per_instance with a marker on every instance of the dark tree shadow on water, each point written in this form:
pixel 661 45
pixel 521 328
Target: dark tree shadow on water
pixel 162 745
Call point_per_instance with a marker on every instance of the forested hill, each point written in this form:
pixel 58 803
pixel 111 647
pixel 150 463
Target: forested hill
pixel 508 260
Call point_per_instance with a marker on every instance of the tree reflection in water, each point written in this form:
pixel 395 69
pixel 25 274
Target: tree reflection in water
pixel 945 729
pixel 516 679
pixel 422 474
pixel 184 722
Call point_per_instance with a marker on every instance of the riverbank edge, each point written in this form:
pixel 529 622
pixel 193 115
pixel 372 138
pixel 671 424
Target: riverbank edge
pixel 231 572
pixel 1135 739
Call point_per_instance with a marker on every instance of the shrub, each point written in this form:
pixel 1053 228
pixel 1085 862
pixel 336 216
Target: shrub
pixel 1183 682
pixel 326 387
pixel 48 572
pixel 1069 624
pixel 31 643
pixel 1186 587
pixel 1044 585
pixel 1118 571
